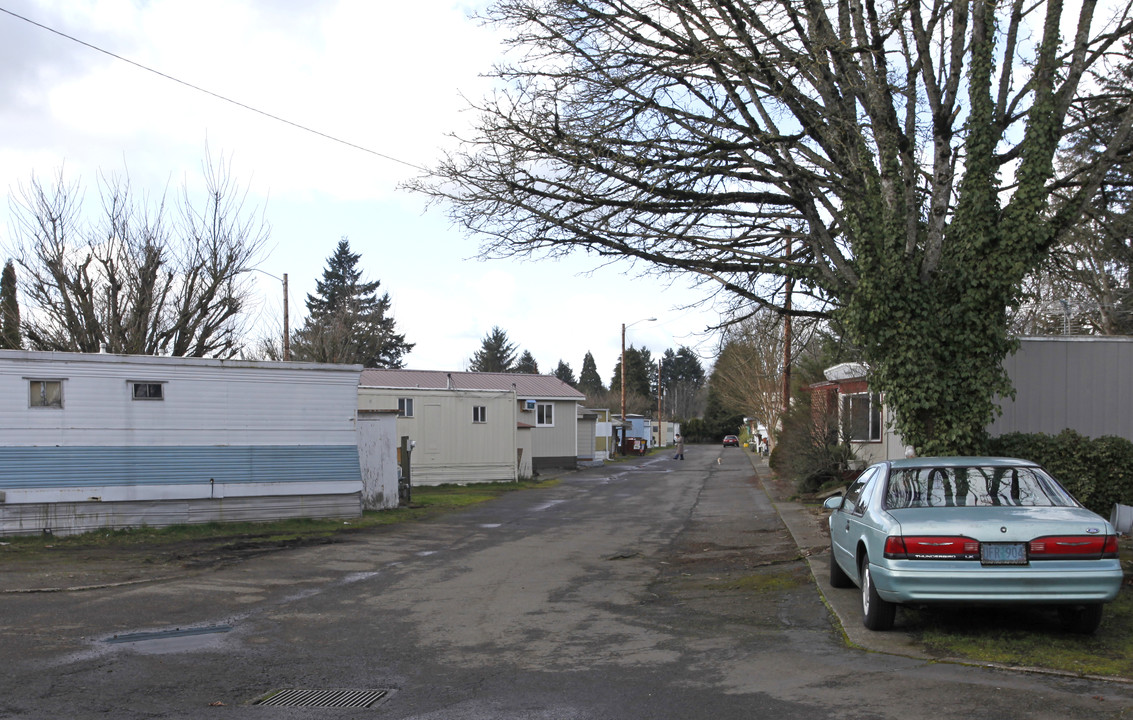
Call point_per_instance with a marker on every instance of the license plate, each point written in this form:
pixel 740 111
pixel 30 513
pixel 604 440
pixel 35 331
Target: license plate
pixel 1003 553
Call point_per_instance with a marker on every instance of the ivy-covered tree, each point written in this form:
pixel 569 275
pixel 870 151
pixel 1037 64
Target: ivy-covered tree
pixel 526 364
pixel 9 310
pixel 347 321
pixel 496 353
pixel 891 163
pixel 563 372
pixel 589 381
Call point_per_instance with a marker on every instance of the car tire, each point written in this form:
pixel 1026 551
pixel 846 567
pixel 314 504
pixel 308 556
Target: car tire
pixel 877 614
pixel 838 576
pixel 1080 619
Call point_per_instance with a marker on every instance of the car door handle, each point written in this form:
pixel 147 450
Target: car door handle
pixel 847 526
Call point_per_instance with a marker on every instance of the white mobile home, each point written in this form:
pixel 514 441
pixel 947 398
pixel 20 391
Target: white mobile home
pixel 98 440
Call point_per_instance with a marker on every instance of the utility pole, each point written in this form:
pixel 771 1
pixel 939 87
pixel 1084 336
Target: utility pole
pixel 787 337
pixel 286 327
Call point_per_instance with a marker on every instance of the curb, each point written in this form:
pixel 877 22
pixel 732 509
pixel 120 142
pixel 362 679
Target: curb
pixel 844 605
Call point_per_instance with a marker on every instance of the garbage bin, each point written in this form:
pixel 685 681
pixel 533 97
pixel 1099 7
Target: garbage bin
pixel 634 446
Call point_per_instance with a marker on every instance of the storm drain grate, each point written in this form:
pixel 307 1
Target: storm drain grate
pixel 324 698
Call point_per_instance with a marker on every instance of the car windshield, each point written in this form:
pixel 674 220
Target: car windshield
pixel 972 487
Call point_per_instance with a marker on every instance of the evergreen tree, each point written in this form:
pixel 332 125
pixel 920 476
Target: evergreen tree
pixel 589 381
pixel 682 378
pixel 564 373
pixel 496 353
pixel 641 373
pixel 719 419
pixel 526 364
pixel 347 322
pixel 9 310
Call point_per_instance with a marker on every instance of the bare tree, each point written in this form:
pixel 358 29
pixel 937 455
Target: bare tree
pixel 140 279
pixel 893 160
pixel 1086 285
pixel 749 370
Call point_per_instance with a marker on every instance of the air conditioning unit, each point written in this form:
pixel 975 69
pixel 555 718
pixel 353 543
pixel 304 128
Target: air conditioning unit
pixel 528 404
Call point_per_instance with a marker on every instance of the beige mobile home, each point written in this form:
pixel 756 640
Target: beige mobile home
pixel 478 427
pixel 459 435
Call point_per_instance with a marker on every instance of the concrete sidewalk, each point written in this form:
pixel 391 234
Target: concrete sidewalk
pixel 808 528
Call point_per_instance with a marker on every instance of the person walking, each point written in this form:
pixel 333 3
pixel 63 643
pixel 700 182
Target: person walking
pixel 680 448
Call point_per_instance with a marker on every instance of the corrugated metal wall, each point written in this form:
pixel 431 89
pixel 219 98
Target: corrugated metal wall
pixel 1084 383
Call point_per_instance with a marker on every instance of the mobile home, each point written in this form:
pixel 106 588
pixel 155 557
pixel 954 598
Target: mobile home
pixel 101 440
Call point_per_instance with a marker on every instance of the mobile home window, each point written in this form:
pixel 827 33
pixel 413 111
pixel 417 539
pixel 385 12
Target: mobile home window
pixel 148 390
pixel 45 393
pixel 405 407
pixel 479 414
pixel 861 417
pixel 544 415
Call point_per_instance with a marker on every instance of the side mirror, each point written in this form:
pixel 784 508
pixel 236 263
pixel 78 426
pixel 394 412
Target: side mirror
pixel 833 502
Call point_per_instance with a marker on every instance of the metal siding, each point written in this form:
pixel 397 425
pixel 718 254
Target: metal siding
pixel 560 441
pixel 62 467
pixel 377 458
pixel 205 403
pixel 450 447
pixel 1079 383
pixel 586 434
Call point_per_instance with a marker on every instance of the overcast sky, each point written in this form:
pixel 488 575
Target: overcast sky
pixel 386 76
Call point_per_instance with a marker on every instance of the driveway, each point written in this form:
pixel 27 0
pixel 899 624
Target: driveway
pixel 653 588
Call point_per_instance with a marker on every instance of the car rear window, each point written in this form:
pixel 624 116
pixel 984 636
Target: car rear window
pixel 973 487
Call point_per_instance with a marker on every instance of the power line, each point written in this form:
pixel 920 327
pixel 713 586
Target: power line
pixel 218 96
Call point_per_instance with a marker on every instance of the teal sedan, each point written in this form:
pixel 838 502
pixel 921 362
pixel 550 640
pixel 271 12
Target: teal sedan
pixel 970 530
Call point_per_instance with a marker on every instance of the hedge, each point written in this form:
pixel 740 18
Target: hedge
pixel 1098 472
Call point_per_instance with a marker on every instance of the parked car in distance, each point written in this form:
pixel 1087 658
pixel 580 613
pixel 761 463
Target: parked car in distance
pixel 970 531
pixel 731 441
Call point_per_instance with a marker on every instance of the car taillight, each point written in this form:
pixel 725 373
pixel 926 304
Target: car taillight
pixel 931 547
pixel 1074 547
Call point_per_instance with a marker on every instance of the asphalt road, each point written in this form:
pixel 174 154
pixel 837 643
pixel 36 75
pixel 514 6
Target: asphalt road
pixel 649 589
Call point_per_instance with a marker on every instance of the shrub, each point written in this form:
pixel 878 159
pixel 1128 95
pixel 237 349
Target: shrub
pixel 808 450
pixel 1098 472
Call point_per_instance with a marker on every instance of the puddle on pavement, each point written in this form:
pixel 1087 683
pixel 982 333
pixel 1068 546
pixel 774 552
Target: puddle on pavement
pixel 170 641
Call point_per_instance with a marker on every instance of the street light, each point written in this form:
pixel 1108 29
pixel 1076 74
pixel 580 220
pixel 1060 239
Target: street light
pixel 624 326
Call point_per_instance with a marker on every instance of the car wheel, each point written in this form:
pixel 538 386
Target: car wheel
pixel 877 614
pixel 1081 619
pixel 838 576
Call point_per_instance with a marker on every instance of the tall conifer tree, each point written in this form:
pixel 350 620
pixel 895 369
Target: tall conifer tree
pixel 9 310
pixel 496 353
pixel 589 381
pixel 347 322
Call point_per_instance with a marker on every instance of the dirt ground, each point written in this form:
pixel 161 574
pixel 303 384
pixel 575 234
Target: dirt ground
pixel 75 567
